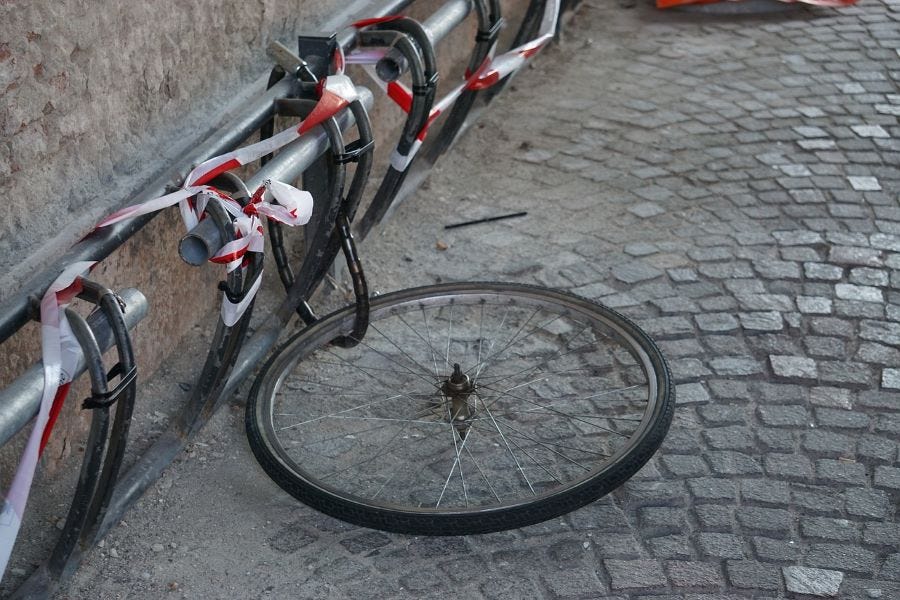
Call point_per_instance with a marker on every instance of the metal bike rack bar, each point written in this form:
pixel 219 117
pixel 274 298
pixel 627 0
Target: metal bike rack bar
pixel 286 165
pixel 20 400
pixel 445 19
pixel 437 27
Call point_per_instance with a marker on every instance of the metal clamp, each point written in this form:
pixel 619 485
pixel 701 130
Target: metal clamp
pixel 107 399
pixel 489 35
pixel 353 151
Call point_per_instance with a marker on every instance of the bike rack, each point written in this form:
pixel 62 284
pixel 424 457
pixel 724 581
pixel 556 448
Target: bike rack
pixel 20 401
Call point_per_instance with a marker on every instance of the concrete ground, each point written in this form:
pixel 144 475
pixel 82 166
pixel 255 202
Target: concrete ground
pixel 732 184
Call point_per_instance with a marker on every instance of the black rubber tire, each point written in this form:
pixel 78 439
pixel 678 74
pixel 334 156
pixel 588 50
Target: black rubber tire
pixel 280 467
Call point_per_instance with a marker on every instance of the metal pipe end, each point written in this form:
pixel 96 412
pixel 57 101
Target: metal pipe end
pixel 200 243
pixel 391 66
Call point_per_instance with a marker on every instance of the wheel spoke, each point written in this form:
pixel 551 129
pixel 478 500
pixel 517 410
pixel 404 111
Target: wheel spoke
pixel 511 453
pixel 561 413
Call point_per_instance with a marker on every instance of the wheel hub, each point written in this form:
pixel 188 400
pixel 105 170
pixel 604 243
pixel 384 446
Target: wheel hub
pixel 454 405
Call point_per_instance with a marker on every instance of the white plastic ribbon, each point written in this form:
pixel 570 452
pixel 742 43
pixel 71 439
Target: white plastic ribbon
pixel 294 206
pixel 60 354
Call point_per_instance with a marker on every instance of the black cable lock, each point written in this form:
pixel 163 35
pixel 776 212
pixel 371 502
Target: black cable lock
pixel 101 396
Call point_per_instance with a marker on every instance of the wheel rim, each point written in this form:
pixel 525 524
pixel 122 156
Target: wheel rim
pixel 550 393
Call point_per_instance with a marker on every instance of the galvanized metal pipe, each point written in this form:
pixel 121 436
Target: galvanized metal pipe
pixel 445 19
pixel 20 400
pixel 437 27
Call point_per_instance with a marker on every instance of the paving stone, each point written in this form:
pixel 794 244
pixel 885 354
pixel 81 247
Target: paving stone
pixel 883 534
pixel 720 545
pixel 723 414
pixel 730 438
pixel 686 574
pixel 684 465
pixel 814 305
pixel 635 271
pixel 864 183
pixel 716 322
pixel 838 471
pixel 871 352
pixel 765 519
pixel 822 271
pixel 862 502
pixel 844 373
pixel 879 399
pixel 890 379
pixel 825 347
pixel 788 466
pixel 869 277
pixel 736 365
pixel 732 463
pixel 599 516
pixel 748 574
pixel 843 557
pixel 813 582
pixel 796 367
pixel 777 269
pixel 776 440
pixel 887 477
pixel 765 491
pixel 829 529
pixel 761 321
pixel 770 550
pixel 765 302
pixel 871 131
pixel 832 326
pixel 691 393
pixel 890 569
pixel 714 517
pixel 877 448
pixel 662 518
pixel 784 416
pixel 618 545
pixel 711 489
pixel 668 326
pixel 849 255
pixel 635 574
pixel 670 547
pixel 827 417
pixel 862 293
pixel 573 583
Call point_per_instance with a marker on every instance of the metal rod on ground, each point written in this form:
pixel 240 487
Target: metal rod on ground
pixel 486 220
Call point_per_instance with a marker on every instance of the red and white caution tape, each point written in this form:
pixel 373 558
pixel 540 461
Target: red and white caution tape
pixel 294 206
pixel 60 354
pixel 491 71
pixel 59 346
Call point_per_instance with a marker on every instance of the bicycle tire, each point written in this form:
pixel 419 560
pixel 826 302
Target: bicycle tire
pixel 278 453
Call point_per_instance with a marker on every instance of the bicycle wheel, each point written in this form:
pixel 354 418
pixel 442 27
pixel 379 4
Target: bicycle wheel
pixel 468 408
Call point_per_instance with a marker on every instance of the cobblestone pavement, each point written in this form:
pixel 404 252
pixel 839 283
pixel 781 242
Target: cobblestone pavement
pixel 732 184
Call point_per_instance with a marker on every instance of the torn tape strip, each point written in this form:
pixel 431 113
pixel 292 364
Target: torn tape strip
pixel 60 354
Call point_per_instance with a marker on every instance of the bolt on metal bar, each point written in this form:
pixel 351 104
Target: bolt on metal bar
pixel 20 400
